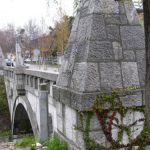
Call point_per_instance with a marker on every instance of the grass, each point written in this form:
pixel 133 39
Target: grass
pixel 53 144
pixel 56 144
pixel 5 133
pixel 27 141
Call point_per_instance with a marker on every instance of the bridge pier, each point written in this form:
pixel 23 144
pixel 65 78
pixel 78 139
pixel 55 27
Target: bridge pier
pixel 43 112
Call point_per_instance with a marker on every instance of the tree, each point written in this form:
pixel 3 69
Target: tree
pixel 32 29
pixel 146 6
pixel 62 33
pixel 7 39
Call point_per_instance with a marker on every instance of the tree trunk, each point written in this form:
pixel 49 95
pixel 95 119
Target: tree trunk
pixel 146 5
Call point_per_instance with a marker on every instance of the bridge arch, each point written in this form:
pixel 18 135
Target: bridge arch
pixel 21 121
pixel 22 111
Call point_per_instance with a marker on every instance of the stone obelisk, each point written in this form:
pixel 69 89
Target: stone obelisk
pixel 19 49
pixel 106 50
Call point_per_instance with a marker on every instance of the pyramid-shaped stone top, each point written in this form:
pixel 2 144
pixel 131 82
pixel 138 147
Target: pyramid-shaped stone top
pixel 106 48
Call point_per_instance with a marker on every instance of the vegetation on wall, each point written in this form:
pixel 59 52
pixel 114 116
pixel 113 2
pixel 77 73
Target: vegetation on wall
pixel 107 107
pixel 3 98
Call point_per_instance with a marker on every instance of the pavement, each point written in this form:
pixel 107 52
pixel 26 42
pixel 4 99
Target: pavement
pixel 10 146
pixel 43 68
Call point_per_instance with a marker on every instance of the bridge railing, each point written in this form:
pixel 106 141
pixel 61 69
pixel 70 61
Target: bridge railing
pixel 29 80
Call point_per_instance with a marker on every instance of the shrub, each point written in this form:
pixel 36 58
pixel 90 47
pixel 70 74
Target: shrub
pixel 57 144
pixel 27 141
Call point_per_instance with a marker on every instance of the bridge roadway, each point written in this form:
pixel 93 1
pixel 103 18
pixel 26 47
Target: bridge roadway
pixel 29 92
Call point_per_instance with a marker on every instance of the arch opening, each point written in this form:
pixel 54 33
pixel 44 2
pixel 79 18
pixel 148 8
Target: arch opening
pixel 22 123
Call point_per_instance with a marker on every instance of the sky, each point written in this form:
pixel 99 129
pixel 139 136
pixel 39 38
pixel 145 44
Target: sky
pixel 19 12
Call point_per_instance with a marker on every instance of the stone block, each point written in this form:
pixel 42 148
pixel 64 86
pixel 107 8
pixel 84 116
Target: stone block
pixel 139 115
pixel 76 22
pixel 70 122
pixel 104 7
pixel 113 32
pixel 83 12
pixel 139 126
pixel 65 96
pixel 129 55
pixel 64 79
pixel 60 124
pixel 80 141
pixel 72 37
pixel 78 77
pixel 95 124
pixel 70 115
pixel 82 101
pixel 128 119
pixel 132 100
pixel 117 50
pixel 76 100
pixel 98 31
pixel 72 59
pixel 125 139
pixel 99 137
pixel 84 26
pixel 56 93
pixel 141 63
pixel 110 75
pixel 59 109
pixel 51 100
pixel 68 50
pixel 136 131
pixel 115 134
pixel 82 52
pixel 84 3
pixel 68 130
pixel 131 13
pixel 130 74
pixel 132 37
pixel 92 82
pixel 100 50
pixel 116 19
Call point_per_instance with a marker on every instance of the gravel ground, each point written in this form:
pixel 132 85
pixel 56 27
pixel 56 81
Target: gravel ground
pixel 9 146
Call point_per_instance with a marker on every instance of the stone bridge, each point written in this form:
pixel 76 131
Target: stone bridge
pixel 98 100
pixel 29 93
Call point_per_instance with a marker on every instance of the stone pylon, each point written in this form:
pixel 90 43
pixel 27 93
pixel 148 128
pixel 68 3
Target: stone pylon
pixel 106 50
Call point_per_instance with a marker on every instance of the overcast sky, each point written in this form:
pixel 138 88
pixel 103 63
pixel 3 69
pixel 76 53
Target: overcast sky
pixel 18 12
